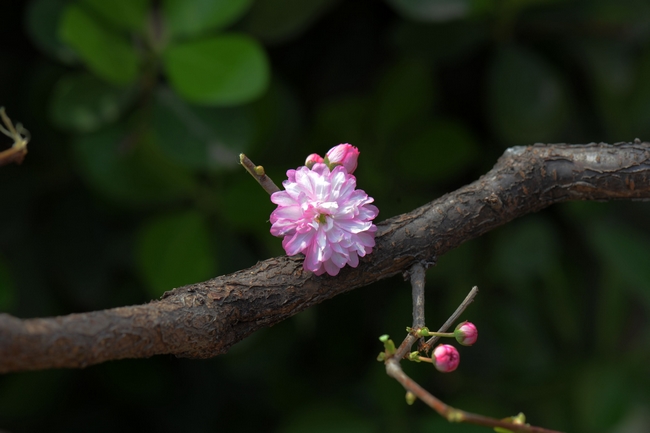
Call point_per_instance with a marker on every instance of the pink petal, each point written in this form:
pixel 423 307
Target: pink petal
pixel 331 268
pixel 353 260
pixel 297 243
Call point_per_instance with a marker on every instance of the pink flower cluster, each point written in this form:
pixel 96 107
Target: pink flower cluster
pixel 322 215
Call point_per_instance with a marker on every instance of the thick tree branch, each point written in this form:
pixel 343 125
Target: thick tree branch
pixel 203 320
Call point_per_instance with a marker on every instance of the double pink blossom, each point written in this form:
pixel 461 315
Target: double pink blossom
pixel 322 215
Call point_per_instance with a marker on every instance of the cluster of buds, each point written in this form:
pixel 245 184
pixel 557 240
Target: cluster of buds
pixel 343 154
pixel 445 357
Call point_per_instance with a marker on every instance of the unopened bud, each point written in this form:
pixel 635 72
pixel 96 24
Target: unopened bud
pixel 343 154
pixel 466 333
pixel 445 358
pixel 313 159
pixel 410 398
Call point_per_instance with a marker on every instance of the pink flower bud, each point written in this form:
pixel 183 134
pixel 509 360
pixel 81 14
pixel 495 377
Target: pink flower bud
pixel 445 358
pixel 466 333
pixel 343 154
pixel 313 159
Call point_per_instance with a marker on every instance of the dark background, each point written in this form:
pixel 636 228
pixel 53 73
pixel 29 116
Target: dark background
pixel 131 187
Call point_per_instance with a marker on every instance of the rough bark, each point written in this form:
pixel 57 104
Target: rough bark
pixel 203 320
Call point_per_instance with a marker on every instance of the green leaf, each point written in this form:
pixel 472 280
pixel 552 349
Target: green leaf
pixel 432 10
pixel 7 291
pixel 619 78
pixel 224 70
pixel 406 92
pixel 128 168
pixel 173 251
pixel 339 121
pixel 107 54
pixel 441 150
pixel 625 252
pixel 328 418
pixel 527 99
pixel 276 21
pixel 612 79
pixel 442 42
pixel 42 22
pixel 602 395
pixel 525 250
pixel 193 17
pixel 278 119
pixel 201 137
pixel 81 102
pixel 125 14
pixel 246 206
pixel 26 395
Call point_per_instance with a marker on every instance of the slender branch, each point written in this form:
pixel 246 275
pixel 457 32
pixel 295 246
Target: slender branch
pixel 394 370
pixel 203 320
pixel 452 319
pixel 257 171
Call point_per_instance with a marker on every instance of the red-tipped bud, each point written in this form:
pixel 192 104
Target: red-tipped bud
pixel 445 358
pixel 343 154
pixel 466 333
pixel 313 159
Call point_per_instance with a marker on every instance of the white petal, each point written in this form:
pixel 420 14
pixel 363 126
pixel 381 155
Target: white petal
pixel 353 225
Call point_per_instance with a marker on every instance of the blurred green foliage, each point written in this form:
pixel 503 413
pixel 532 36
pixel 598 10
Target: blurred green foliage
pixel 138 110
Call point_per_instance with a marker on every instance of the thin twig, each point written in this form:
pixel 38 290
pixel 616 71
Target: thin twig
pixel 257 171
pixel 461 308
pixel 405 346
pixel 394 370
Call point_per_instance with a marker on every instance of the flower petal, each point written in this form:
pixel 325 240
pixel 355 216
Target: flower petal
pixel 297 243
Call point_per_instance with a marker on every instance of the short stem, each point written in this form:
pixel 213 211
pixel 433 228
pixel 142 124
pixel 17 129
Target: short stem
pixel 425 359
pixel 440 334
pixel 257 171
pixel 461 308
